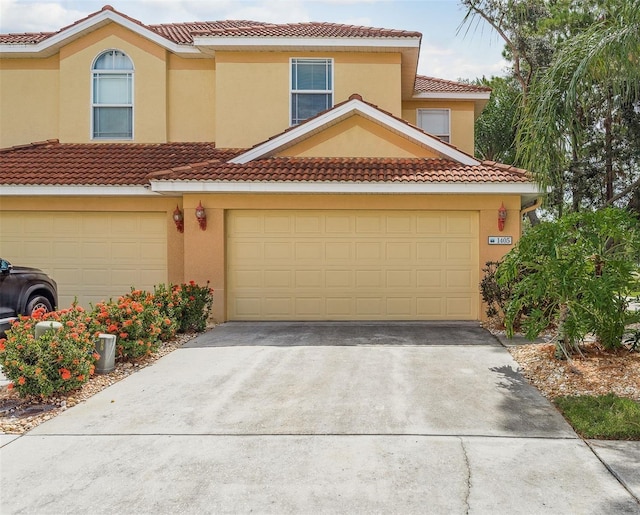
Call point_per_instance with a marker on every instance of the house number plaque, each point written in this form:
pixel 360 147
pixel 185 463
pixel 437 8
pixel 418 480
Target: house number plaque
pixel 500 240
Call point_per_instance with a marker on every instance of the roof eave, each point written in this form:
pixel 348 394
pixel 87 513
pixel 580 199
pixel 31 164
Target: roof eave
pixel 75 190
pixel 52 45
pixel 524 189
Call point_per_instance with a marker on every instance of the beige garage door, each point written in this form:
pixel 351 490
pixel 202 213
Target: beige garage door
pixel 92 256
pixel 352 265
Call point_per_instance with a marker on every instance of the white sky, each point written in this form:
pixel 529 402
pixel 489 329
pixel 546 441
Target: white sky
pixel 446 52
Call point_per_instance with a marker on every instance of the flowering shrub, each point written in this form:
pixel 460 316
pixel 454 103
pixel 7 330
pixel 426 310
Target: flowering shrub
pixel 194 306
pixel 169 302
pixel 135 320
pixel 58 361
pixel 62 361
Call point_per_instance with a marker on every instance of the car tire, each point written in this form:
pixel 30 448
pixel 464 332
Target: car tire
pixel 38 301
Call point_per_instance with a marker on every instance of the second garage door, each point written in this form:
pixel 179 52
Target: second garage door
pixel 92 256
pixel 352 265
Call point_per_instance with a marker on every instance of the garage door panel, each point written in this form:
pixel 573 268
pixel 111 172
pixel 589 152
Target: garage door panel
pixel 400 279
pixel 310 251
pixel 308 279
pixel 429 279
pixel 459 306
pixel 368 306
pixel 368 251
pixel 277 225
pixel 399 223
pixel 339 307
pixel 338 279
pixel 399 251
pixel 278 306
pixel 353 265
pixel 277 251
pixel 308 306
pixel 368 224
pixel 338 224
pixel 458 279
pixel 91 255
pixel 400 307
pixel 338 251
pixel 429 251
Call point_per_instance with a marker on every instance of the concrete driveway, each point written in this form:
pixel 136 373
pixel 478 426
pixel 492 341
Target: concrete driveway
pixel 315 418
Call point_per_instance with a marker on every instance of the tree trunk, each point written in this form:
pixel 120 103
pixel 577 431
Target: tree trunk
pixel 608 151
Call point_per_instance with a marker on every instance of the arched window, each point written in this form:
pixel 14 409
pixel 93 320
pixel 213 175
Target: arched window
pixel 112 98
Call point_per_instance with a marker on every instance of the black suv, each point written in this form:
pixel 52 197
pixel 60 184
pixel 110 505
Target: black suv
pixel 22 290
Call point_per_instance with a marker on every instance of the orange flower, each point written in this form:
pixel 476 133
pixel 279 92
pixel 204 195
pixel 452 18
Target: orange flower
pixel 112 328
pixel 70 323
pixel 21 380
pixel 127 323
pixel 81 377
pixel 92 369
pixel 65 374
pixel 2 346
pixel 96 356
pixel 10 386
pixel 38 371
pixel 124 336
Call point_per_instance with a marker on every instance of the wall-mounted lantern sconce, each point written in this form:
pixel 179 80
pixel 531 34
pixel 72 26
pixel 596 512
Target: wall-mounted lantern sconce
pixel 502 217
pixel 201 216
pixel 178 219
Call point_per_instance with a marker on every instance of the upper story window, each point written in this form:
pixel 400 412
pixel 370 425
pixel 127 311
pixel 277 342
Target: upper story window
pixel 311 88
pixel 435 122
pixel 112 96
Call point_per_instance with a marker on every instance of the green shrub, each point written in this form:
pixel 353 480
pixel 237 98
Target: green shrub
pixel 57 362
pixel 575 273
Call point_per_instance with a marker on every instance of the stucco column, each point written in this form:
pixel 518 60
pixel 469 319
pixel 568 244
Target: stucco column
pixel 204 252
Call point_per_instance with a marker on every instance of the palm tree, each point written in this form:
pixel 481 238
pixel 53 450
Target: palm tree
pixel 593 78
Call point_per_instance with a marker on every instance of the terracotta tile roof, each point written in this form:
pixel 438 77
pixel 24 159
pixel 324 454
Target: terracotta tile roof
pixel 104 164
pixel 182 33
pixel 122 164
pixel 433 85
pixel 346 169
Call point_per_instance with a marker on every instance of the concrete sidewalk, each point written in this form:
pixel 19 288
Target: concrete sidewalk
pixel 239 422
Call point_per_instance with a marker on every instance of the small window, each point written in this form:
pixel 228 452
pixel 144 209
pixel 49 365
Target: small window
pixel 112 96
pixel 311 88
pixel 435 122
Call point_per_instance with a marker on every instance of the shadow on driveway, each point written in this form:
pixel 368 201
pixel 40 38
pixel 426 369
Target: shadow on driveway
pixel 291 334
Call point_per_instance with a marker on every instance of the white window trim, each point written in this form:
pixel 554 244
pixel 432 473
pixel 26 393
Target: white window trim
pixel 318 91
pixel 423 109
pixel 92 137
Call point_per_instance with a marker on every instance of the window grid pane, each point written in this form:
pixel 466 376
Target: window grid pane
pixel 112 122
pixel 311 88
pixel 435 122
pixel 113 96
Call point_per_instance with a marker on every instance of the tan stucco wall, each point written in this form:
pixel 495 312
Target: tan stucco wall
pixel 206 249
pixel 462 119
pixel 29 91
pixel 191 99
pixel 357 137
pixel 149 83
pixel 175 240
pixel 252 90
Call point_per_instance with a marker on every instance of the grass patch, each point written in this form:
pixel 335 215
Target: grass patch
pixel 607 417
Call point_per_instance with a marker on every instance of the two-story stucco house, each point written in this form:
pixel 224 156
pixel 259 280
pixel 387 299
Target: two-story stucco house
pixel 304 170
